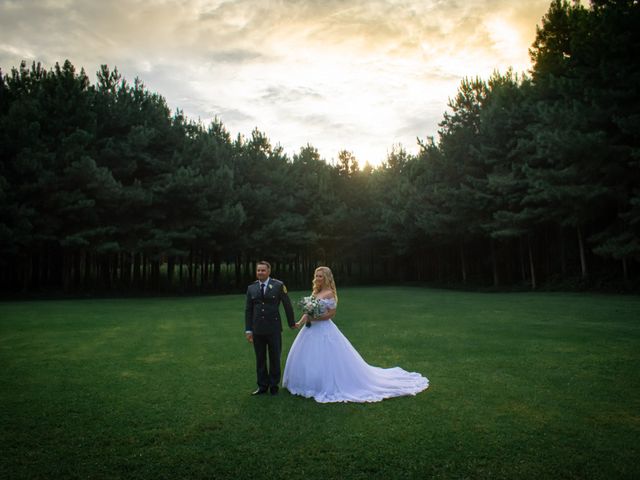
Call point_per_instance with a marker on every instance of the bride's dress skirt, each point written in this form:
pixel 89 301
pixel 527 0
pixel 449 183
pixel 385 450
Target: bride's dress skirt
pixel 323 364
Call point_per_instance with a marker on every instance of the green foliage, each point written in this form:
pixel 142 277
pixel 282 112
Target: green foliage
pixel 102 187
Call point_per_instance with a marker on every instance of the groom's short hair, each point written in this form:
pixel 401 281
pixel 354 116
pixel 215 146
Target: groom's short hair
pixel 264 262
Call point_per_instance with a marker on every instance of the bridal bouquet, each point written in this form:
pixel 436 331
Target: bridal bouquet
pixel 312 307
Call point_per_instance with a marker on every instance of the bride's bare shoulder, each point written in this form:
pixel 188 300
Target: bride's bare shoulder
pixel 328 295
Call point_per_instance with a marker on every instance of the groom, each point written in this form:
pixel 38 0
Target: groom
pixel 263 326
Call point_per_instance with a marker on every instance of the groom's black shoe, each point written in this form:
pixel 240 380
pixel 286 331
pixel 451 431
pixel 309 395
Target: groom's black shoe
pixel 260 391
pixel 274 390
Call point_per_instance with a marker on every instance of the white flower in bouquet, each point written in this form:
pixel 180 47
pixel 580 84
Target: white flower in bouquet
pixel 312 307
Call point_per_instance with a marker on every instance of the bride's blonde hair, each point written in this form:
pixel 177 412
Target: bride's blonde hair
pixel 328 280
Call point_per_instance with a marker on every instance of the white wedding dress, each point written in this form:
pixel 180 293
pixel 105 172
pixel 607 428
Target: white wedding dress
pixel 323 364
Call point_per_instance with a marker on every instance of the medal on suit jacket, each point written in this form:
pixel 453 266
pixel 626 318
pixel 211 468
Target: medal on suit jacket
pixel 269 288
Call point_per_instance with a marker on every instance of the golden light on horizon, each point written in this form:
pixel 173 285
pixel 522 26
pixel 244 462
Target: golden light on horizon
pixel 507 39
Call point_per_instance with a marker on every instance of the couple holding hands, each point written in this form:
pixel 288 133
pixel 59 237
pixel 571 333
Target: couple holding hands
pixel 321 364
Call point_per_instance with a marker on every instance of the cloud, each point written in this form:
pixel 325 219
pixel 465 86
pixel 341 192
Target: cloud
pixel 359 75
pixel 284 94
pixel 237 55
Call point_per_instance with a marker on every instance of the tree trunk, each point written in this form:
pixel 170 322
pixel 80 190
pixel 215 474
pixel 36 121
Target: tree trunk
pixel 145 269
pixel 120 270
pixel 531 265
pixel 77 269
pixel 171 265
pixel 115 269
pixel 625 273
pixel 136 270
pixel 35 272
pixel 583 261
pixel 216 270
pixel 248 269
pixel 130 258
pixel 238 271
pixel 104 272
pixel 523 268
pixel 563 253
pixel 67 273
pixel 508 266
pixel 372 266
pixel 463 264
pixel 155 274
pixel 494 263
pixel 547 251
pixel 87 271
pixel 204 273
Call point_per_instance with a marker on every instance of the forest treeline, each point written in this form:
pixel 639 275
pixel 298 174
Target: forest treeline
pixel 532 180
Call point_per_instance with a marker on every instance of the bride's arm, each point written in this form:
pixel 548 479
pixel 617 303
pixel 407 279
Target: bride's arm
pixel 303 319
pixel 327 316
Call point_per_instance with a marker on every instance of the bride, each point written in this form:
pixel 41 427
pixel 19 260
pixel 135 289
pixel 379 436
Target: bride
pixel 323 364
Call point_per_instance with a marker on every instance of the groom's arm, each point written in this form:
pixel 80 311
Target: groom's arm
pixel 288 309
pixel 248 317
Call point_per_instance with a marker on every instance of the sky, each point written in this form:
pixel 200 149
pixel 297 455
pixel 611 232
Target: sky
pixel 358 75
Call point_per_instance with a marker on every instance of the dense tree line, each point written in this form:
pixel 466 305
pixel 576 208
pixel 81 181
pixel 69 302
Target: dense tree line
pixel 532 180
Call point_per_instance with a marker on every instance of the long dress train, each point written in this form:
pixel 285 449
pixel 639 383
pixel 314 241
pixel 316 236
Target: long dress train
pixel 323 364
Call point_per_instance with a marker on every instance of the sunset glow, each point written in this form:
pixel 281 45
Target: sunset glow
pixel 355 75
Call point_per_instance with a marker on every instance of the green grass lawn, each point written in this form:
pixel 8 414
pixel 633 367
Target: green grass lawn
pixel 523 385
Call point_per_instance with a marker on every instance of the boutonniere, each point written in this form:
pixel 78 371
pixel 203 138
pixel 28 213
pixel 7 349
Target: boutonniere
pixel 270 286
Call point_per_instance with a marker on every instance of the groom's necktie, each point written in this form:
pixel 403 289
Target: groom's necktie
pixel 262 289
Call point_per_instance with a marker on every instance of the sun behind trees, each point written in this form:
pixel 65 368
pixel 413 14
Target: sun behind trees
pixel 533 180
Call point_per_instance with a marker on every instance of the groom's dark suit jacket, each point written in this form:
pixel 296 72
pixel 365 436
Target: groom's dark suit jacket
pixel 262 314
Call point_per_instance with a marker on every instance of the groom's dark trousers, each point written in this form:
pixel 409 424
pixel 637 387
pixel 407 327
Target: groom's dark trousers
pixel 268 346
pixel 262 318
